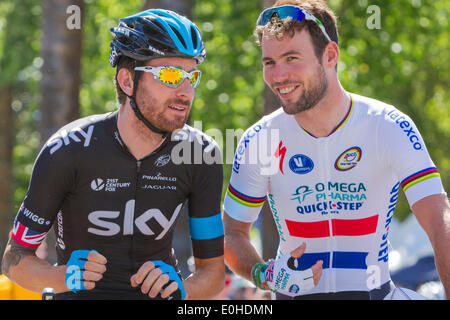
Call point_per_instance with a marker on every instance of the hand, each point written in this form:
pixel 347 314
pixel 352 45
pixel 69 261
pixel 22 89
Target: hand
pixel 84 269
pixel 316 268
pixel 282 275
pixel 153 276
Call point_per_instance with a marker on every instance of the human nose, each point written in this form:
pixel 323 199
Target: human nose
pixel 185 89
pixel 276 74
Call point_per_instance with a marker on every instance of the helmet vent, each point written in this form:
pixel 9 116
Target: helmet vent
pixel 194 37
pixel 147 29
pixel 157 24
pixel 124 40
pixel 179 36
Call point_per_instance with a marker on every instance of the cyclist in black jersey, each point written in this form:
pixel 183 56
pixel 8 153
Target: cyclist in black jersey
pixel 113 185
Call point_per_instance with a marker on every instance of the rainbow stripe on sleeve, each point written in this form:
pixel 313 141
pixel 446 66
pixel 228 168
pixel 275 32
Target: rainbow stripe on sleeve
pixel 420 176
pixel 245 199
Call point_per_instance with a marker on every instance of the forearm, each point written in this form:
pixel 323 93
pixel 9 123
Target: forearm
pixel 441 245
pixel 240 254
pixel 433 214
pixel 208 279
pixel 442 260
pixel 23 267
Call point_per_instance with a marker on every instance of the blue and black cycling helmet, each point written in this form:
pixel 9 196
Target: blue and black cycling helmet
pixel 156 33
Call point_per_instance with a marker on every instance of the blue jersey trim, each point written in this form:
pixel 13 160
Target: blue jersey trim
pixel 206 228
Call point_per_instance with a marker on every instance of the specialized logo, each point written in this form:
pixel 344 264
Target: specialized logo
pixel 102 219
pixel 281 153
pixel 162 160
pixel 348 159
pixel 301 164
pixel 75 134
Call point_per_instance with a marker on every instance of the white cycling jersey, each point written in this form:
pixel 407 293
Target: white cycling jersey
pixel 337 193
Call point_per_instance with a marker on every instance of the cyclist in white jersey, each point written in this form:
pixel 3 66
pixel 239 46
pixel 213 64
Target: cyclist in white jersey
pixel 330 165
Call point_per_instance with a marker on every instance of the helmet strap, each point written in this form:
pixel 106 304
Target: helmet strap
pixel 135 107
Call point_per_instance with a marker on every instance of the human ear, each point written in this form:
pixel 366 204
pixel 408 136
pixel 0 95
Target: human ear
pixel 331 55
pixel 125 80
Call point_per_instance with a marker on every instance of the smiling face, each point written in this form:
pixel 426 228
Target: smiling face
pixel 293 71
pixel 165 107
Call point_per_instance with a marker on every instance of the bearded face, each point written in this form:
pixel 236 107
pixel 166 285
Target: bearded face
pixel 293 71
pixel 165 107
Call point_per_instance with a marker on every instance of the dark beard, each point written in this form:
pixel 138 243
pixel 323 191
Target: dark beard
pixel 310 97
pixel 158 118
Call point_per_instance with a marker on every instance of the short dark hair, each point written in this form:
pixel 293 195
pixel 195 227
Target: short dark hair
pixel 278 28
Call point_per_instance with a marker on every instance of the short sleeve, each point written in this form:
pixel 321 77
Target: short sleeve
pixel 248 184
pixel 205 218
pixel 52 177
pixel 405 152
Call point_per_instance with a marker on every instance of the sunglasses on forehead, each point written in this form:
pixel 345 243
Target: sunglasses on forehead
pixel 172 76
pixel 293 12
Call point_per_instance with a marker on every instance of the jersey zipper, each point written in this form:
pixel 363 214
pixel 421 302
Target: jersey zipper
pixel 326 177
pixel 133 245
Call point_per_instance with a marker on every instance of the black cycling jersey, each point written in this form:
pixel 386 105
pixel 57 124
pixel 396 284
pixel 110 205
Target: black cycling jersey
pixel 96 195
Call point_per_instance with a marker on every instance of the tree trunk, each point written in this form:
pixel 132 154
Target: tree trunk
pixel 60 84
pixel 61 51
pixel 6 187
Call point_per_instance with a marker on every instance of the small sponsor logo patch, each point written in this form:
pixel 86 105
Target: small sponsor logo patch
pixel 348 159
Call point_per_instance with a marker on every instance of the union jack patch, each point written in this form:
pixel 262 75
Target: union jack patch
pixel 269 273
pixel 26 237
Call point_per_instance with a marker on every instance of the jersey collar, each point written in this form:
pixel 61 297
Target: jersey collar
pixel 340 124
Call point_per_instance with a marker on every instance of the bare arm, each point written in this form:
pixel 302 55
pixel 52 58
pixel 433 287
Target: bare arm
pixel 240 254
pixel 23 267
pixel 433 214
pixel 208 279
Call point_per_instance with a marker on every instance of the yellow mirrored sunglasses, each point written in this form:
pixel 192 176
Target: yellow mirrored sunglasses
pixel 172 76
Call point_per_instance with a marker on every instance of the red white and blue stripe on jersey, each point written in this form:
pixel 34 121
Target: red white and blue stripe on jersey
pixel 26 237
pixel 339 227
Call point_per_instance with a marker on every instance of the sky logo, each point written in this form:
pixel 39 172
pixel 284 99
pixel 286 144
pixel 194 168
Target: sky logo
pixel 301 164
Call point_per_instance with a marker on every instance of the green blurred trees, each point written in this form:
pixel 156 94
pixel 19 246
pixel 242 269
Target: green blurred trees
pixel 19 75
pixel 404 62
